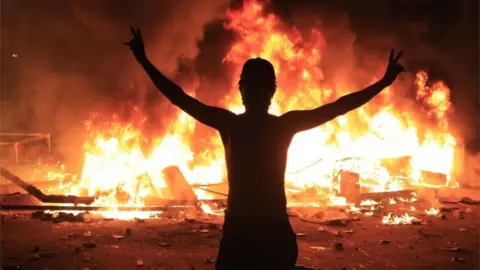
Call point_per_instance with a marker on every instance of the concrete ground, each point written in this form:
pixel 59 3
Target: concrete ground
pixel 449 241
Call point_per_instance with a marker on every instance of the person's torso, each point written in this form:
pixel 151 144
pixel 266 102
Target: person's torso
pixel 256 155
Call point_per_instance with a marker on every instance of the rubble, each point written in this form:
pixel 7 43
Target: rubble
pixel 90 244
pixel 210 260
pixel 338 246
pixel 32 190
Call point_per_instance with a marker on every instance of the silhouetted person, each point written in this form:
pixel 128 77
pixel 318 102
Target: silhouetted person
pixel 257 233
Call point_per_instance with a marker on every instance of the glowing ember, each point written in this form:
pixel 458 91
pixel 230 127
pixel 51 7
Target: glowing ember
pixel 391 219
pixel 432 211
pixel 118 172
pixel 368 202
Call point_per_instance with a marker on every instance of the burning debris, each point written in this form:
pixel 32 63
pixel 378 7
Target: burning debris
pixel 366 156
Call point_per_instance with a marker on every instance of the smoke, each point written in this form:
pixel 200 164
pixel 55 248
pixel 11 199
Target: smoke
pixel 440 37
pixel 70 60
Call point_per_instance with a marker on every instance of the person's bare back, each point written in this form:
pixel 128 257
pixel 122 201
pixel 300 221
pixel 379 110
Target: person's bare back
pixel 256 155
pixel 257 233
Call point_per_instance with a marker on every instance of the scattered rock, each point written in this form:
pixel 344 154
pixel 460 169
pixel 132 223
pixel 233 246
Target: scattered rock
pixel 456 259
pixel 442 216
pixel 384 242
pixel 301 234
pixel 463 230
pixel 349 231
pixel 128 232
pixel 139 220
pixel 337 233
pixel 210 260
pixel 318 248
pixel 339 246
pixel 117 236
pixel 90 244
pixel 140 263
pixel 78 249
pixel 204 231
pixel 87 234
pixel 163 244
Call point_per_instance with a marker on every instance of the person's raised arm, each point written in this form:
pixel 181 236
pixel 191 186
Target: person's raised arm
pixel 303 120
pixel 211 116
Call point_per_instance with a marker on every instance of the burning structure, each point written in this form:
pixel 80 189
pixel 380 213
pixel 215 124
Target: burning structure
pixel 388 145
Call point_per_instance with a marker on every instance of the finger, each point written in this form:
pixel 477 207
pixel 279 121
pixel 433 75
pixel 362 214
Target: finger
pixel 139 32
pixel 398 56
pixel 133 31
pixel 392 52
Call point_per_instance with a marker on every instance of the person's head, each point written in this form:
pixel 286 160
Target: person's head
pixel 257 84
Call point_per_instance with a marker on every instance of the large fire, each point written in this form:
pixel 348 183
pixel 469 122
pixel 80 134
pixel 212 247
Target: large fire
pixel 362 141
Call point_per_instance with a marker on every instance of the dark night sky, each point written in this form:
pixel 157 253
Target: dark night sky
pixel 71 62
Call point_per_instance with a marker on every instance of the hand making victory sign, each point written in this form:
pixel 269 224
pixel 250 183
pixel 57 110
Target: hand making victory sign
pixel 394 68
pixel 136 44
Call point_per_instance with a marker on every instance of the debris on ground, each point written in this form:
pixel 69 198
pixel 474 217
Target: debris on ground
pixel 339 246
pixel 90 244
pixel 210 260
pixel 301 234
pixel 384 242
pixel 117 236
pixel 450 249
pixel 469 201
pixel 128 232
pixel 139 262
pixel 318 248
pixel 459 214
pixel 456 259
pixel 163 244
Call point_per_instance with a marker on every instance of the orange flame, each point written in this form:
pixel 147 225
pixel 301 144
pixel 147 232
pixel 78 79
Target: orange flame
pixel 117 169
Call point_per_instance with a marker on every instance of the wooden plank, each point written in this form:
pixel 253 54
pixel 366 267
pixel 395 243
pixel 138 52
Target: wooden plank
pixel 177 185
pixel 35 192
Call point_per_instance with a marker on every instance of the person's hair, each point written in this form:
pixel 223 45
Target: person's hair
pixel 258 71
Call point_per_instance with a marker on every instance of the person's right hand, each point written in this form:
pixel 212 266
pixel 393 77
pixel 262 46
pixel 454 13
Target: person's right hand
pixel 394 68
pixel 136 44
